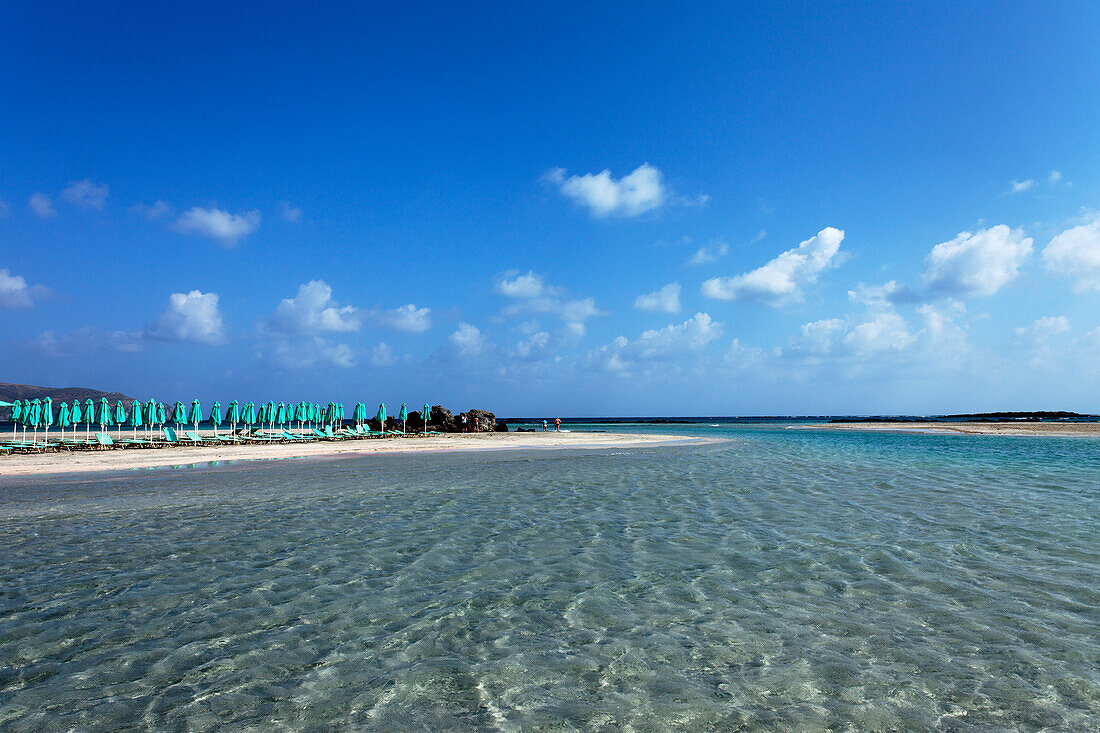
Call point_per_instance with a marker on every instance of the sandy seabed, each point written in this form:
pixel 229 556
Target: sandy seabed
pixel 25 464
pixel 1053 429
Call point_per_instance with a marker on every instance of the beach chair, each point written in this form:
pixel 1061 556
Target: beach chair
pixel 103 440
pixel 292 438
pixel 170 436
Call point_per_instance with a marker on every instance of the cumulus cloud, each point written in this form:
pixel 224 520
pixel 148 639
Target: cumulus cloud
pixel 711 253
pixel 978 263
pixel 313 311
pixel 16 293
pixel 407 318
pixel 468 339
pixel 222 226
pixel 635 193
pixel 1042 330
pixel 1021 186
pixel 86 195
pixel 667 299
pixel 290 213
pixel 659 344
pixel 1055 176
pixel 782 279
pixel 531 285
pixel 41 205
pixel 532 294
pixel 307 353
pixel 382 355
pixel 1076 253
pixel 159 210
pixel 889 293
pixel 189 317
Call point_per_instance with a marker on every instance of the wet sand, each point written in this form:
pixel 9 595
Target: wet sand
pixel 26 464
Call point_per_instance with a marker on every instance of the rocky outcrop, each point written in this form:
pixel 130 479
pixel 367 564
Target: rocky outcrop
pixel 445 422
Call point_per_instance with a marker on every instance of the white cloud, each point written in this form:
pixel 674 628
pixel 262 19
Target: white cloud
pixel 159 210
pixel 1076 253
pixel 530 285
pixel 881 331
pixel 534 346
pixel 313 311
pixel 468 339
pixel 633 194
pixel 977 264
pixel 889 293
pixel 219 225
pixel 41 205
pixel 711 253
pixel 189 317
pixel 290 213
pixel 86 194
pixel 691 336
pixel 407 318
pixel 1055 176
pixel 16 293
pixel 783 278
pixel 667 300
pixel 382 355
pixel 309 352
pixel 1021 186
pixel 1042 330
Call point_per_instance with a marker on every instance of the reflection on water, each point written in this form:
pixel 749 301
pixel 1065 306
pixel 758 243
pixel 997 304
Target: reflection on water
pixel 787 580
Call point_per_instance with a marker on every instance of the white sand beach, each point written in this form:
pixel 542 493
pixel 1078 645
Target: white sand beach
pixel 130 458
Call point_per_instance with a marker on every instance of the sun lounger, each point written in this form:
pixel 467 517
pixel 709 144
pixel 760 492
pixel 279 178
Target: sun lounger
pixel 103 440
pixel 292 438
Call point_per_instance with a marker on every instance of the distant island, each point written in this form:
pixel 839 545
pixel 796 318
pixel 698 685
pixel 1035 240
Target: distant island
pixel 13 392
pixel 1037 416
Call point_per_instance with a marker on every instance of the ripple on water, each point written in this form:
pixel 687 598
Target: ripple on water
pixel 781 582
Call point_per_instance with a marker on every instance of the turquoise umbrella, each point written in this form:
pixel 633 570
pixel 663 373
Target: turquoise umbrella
pixel 89 417
pixel 76 416
pixel 151 415
pixel 381 416
pixel 120 416
pixel 248 416
pixel 196 415
pixel 162 416
pixel 233 414
pixel 34 416
pixel 47 419
pixel 269 413
pixel 425 413
pixel 300 414
pixel 280 414
pixel 64 417
pixel 179 415
pixel 17 418
pixel 360 413
pixel 103 413
pixel 137 419
pixel 403 416
pixel 216 416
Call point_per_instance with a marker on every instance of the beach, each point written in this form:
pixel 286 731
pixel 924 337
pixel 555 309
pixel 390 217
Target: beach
pixel 1052 429
pixel 27 464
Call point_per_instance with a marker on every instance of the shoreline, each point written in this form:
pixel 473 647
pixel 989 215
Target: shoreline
pixel 92 461
pixel 1046 429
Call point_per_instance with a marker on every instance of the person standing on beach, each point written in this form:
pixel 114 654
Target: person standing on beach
pixel 544 426
pixel 464 422
pixel 557 423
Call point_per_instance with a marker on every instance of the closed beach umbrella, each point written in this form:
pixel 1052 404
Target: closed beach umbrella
pixel 381 416
pixel 47 417
pixel 425 412
pixel 280 414
pixel 151 414
pixel 359 414
pixel 103 413
pixel 162 415
pixel 64 417
pixel 17 418
pixel 137 419
pixel 216 416
pixel 403 416
pixel 179 414
pixel 269 413
pixel 300 414
pixel 195 416
pixel 233 414
pixel 31 418
pixel 248 416
pixel 76 415
pixel 120 416
pixel 89 417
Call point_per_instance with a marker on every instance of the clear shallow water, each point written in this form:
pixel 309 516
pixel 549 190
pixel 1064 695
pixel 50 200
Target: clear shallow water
pixel 787 580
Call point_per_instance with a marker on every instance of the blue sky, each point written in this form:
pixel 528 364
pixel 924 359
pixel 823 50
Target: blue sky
pixel 564 209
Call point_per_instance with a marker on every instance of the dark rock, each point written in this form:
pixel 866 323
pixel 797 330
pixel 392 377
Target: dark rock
pixel 502 427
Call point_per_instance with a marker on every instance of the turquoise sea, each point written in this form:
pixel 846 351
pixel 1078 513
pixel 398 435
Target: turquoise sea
pixel 782 579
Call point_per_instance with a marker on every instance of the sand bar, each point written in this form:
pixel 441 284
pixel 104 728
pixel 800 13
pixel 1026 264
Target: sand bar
pixel 1053 429
pixel 26 464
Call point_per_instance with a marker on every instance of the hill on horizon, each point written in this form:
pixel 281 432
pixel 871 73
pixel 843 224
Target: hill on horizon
pixel 13 392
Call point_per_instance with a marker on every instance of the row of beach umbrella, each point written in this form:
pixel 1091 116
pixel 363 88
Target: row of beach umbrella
pixel 39 413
